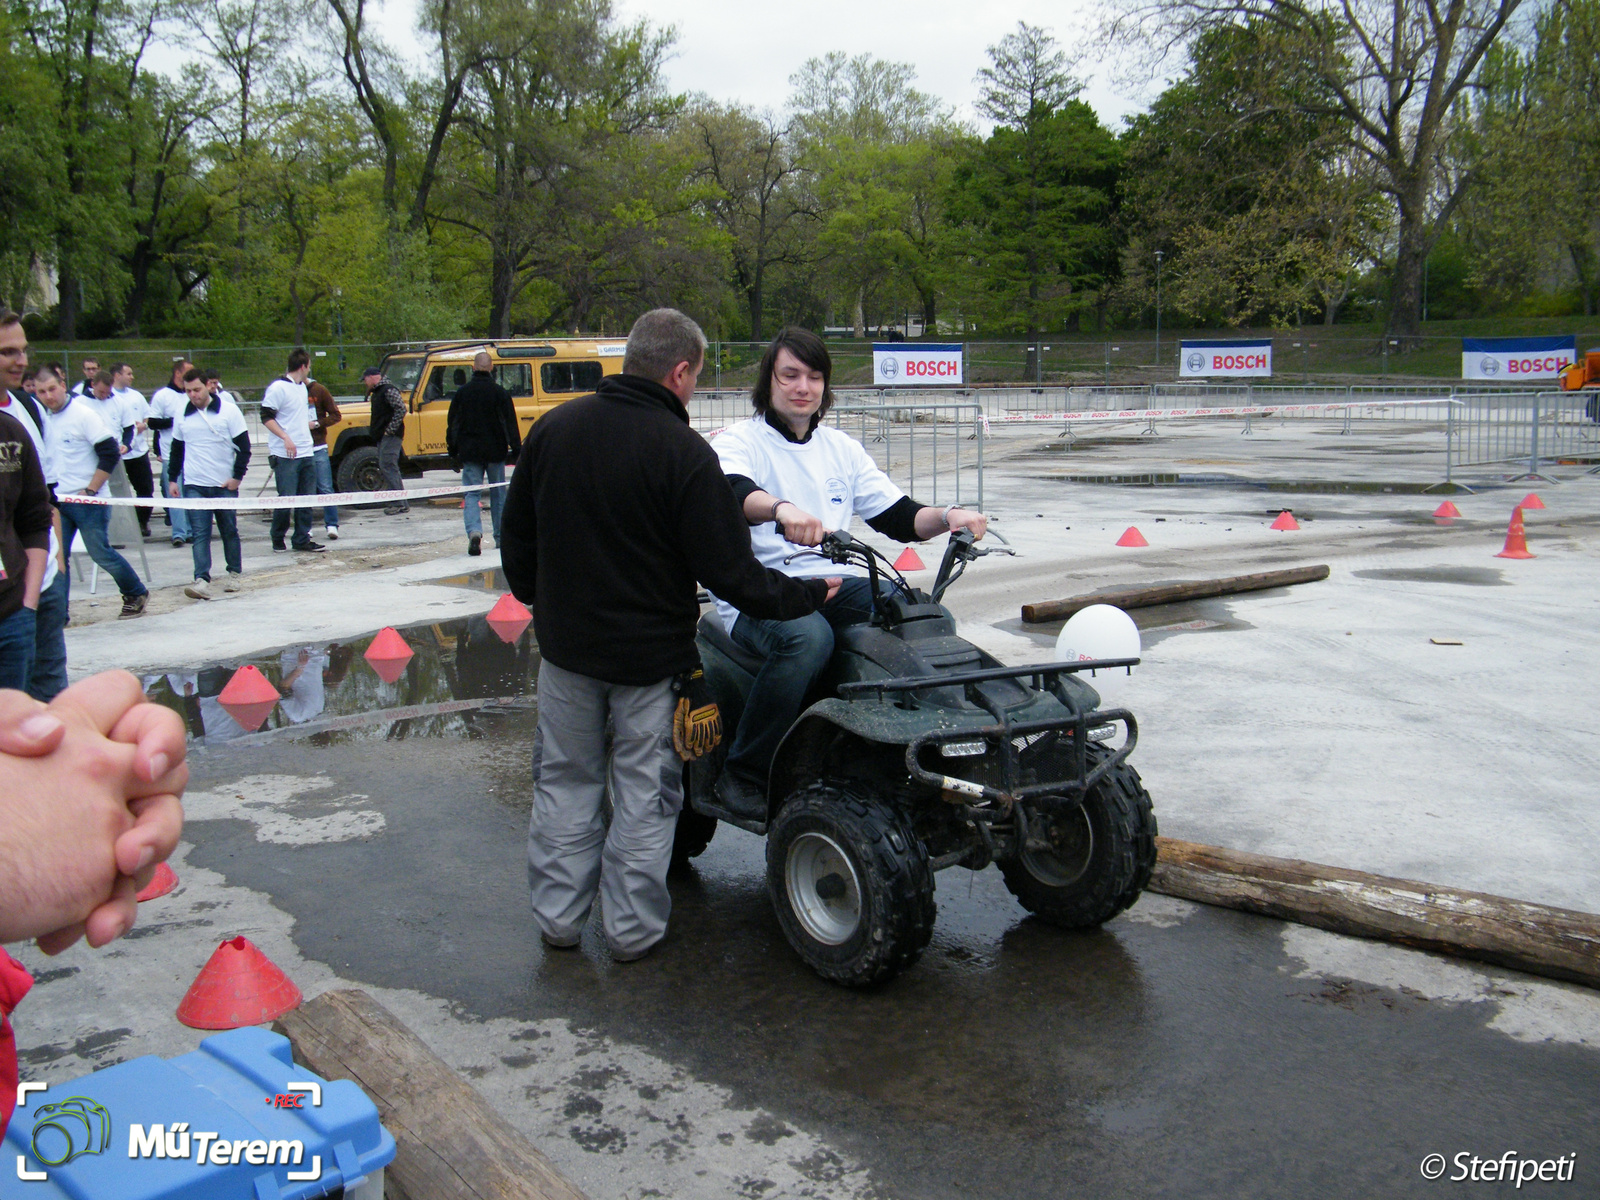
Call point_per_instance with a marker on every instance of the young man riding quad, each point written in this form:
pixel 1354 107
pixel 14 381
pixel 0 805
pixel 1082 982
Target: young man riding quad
pixel 797 480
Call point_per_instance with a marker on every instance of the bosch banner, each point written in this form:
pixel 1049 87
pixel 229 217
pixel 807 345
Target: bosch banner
pixel 1240 357
pixel 1514 360
pixel 915 364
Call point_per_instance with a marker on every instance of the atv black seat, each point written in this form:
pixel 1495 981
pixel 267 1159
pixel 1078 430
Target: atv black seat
pixel 710 630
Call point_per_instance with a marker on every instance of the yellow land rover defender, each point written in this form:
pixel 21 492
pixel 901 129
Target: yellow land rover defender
pixel 538 374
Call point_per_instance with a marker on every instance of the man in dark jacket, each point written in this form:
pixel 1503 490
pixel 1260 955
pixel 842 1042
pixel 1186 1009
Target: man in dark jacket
pixel 481 434
pixel 388 409
pixel 616 508
pixel 25 519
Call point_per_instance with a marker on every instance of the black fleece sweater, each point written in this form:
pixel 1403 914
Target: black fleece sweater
pixel 615 510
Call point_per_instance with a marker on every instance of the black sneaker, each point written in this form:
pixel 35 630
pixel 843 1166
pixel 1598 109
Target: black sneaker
pixel 740 796
pixel 475 545
pixel 279 548
pixel 312 548
pixel 133 606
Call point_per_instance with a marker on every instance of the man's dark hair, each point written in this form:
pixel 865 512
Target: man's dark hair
pixel 53 369
pixel 298 358
pixel 91 359
pixel 193 375
pixel 121 367
pixel 29 373
pixel 210 373
pixel 808 348
pixel 179 366
pixel 102 377
pixel 8 318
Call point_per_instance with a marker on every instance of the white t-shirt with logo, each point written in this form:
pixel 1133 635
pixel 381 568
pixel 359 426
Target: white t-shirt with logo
pixel 135 408
pixel 73 433
pixel 829 475
pixel 208 446
pixel 287 399
pixel 167 402
pixel 111 411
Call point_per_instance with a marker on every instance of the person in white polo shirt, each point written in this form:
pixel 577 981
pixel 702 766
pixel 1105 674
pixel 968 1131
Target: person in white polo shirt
pixel 166 406
pixel 286 413
pixel 136 458
pixel 210 451
pixel 798 479
pixel 85 454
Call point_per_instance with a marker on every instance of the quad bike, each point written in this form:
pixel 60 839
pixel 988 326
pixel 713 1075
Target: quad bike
pixel 918 752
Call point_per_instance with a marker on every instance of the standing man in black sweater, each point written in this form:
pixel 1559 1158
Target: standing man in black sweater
pixel 616 509
pixel 481 434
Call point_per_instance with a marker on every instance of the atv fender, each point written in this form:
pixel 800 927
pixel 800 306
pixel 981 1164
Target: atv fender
pixel 814 742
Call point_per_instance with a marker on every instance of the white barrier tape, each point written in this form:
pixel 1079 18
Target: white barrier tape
pixel 269 503
pixel 1172 414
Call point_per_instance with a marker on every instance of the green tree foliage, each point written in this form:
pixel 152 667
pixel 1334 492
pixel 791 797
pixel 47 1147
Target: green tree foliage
pixel 1031 208
pixel 1243 177
pixel 1532 141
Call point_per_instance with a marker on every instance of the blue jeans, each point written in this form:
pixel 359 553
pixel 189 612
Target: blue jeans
pixel 49 677
pixel 16 649
pixel 795 653
pixel 330 515
pixel 178 517
pixel 200 526
pixel 472 473
pixel 294 477
pixel 90 522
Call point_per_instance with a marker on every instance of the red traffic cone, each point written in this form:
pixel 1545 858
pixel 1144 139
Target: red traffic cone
pixel 162 882
pixel 1132 537
pixel 1516 538
pixel 388 654
pixel 1286 521
pixel 239 985
pixel 1447 509
pixel 248 698
pixel 508 618
pixel 1531 501
pixel 909 561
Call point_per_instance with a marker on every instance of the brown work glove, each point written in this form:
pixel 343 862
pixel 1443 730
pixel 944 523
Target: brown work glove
pixel 697 721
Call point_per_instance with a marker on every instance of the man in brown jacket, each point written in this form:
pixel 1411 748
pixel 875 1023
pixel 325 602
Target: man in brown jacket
pixel 25 518
pixel 324 415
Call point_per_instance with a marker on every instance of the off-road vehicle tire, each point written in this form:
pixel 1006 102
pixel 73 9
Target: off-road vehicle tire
pixel 359 471
pixel 851 884
pixel 1107 851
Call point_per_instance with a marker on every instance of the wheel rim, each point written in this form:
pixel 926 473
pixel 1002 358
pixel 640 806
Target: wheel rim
pixel 1071 839
pixel 824 890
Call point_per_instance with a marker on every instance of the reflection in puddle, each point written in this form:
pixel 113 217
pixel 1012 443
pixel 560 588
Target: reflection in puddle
pixel 460 674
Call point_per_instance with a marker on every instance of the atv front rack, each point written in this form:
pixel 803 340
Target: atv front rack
pixel 1046 676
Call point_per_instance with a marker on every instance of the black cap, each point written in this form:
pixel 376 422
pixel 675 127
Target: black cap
pixel 372 371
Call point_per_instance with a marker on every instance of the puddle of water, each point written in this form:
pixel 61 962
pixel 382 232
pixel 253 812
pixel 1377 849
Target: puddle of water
pixel 1468 576
pixel 460 678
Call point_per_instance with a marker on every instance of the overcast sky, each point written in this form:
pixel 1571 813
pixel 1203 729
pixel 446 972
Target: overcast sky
pixel 746 52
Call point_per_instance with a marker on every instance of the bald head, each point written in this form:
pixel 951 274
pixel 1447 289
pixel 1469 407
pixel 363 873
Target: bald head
pixel 481 361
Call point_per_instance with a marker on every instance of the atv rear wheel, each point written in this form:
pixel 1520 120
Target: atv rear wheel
pixel 1099 857
pixel 850 883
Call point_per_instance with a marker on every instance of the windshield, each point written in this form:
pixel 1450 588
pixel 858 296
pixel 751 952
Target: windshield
pixel 403 370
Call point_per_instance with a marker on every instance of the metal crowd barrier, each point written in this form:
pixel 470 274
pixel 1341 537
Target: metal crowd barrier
pixel 1532 427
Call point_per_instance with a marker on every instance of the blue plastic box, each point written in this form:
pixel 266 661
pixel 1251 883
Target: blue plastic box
pixel 115 1134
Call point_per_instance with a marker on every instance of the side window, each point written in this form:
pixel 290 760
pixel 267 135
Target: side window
pixel 436 385
pixel 570 376
pixel 516 378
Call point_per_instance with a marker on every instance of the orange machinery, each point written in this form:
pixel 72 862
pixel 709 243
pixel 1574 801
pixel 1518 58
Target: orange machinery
pixel 1582 374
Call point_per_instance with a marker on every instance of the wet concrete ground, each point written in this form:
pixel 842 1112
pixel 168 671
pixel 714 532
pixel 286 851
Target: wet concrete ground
pixel 1180 1051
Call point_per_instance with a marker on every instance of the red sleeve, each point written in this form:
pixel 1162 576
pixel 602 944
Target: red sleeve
pixel 14 984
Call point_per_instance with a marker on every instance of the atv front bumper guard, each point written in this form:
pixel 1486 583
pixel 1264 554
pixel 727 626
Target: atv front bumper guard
pixel 1046 676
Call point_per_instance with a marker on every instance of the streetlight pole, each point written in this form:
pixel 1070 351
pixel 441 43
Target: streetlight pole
pixel 1159 256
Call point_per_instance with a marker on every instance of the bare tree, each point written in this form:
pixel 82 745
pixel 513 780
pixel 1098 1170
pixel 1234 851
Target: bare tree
pixel 1394 69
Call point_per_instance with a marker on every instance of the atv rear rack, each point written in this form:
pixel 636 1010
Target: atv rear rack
pixel 1045 676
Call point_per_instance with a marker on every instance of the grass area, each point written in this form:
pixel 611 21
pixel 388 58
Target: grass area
pixel 1340 353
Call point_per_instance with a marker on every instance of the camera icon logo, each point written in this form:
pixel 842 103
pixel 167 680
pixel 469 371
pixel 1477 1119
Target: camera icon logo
pixel 69 1130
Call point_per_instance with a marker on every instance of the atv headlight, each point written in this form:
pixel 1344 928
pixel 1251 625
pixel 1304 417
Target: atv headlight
pixel 1101 733
pixel 963 749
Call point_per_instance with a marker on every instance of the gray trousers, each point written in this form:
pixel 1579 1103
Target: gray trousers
pixel 570 853
pixel 389 466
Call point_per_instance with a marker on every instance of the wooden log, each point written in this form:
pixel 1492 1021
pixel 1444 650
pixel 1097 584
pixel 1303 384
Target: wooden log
pixel 449 1144
pixel 1169 593
pixel 1557 942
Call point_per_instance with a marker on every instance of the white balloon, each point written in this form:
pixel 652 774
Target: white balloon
pixel 1100 632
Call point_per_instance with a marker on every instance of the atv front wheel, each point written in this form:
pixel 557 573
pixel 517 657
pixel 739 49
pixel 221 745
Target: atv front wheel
pixel 850 883
pixel 1096 859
